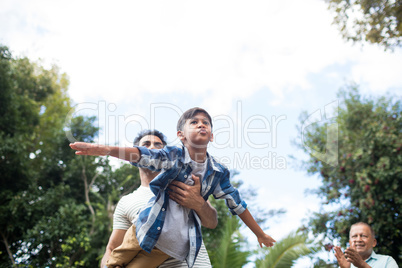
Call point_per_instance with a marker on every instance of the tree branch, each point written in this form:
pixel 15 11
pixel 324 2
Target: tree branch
pixel 10 255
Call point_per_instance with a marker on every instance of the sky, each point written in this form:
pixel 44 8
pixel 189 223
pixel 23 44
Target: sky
pixel 255 66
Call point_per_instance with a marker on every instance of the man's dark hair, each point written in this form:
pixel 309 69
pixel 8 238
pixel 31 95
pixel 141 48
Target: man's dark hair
pixel 147 132
pixel 363 223
pixel 190 114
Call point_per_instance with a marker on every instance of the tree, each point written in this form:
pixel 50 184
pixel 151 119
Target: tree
pixel 375 21
pixel 285 252
pixel 54 206
pixel 365 184
pixel 33 103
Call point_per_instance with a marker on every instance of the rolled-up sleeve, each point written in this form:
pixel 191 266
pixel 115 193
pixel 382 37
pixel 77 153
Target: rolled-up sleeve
pixel 160 161
pixel 225 190
pixel 154 159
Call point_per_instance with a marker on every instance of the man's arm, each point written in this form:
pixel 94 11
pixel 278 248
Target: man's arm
pixel 189 196
pixel 131 154
pixel 115 240
pixel 262 237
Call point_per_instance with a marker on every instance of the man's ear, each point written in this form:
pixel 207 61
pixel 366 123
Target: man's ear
pixel 212 137
pixel 374 242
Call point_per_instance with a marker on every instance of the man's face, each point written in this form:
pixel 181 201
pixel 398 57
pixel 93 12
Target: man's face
pixel 361 237
pixel 197 131
pixel 151 142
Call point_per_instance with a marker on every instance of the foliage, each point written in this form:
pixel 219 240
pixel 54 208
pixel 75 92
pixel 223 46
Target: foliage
pixel 55 207
pixel 366 183
pixel 229 252
pixel 323 264
pixel 33 102
pixel 375 21
pixel 285 252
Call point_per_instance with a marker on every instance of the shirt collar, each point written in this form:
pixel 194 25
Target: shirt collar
pixel 187 158
pixel 215 166
pixel 372 256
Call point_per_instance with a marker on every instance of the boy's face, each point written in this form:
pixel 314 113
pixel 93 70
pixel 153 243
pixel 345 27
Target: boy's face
pixel 196 131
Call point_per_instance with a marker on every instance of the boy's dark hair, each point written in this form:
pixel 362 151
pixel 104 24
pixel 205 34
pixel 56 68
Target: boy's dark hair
pixel 147 132
pixel 190 114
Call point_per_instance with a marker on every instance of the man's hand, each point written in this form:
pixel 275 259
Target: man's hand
pixel 354 257
pixel 190 197
pixel 84 148
pixel 186 195
pixel 340 257
pixel 266 240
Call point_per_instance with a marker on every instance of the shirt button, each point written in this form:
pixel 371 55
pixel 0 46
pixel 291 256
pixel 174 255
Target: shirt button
pixel 185 176
pixel 158 228
pixel 163 209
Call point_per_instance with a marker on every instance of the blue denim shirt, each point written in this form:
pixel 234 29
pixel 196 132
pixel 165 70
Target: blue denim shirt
pixel 170 161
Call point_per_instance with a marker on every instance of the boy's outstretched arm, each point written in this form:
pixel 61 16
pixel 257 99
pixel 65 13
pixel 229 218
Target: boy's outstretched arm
pixel 262 237
pixel 131 154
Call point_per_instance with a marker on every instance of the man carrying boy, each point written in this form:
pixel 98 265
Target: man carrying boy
pixel 129 205
pixel 178 232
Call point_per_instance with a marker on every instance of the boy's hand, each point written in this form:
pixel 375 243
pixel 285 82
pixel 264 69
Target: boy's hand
pixel 84 148
pixel 266 240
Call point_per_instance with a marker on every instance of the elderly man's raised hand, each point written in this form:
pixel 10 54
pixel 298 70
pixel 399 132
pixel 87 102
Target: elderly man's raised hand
pixel 354 257
pixel 340 257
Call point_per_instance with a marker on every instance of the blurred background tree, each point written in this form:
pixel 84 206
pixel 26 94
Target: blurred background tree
pixel 374 21
pixel 55 208
pixel 365 185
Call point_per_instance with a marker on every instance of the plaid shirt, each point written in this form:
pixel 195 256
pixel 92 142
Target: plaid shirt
pixel 172 164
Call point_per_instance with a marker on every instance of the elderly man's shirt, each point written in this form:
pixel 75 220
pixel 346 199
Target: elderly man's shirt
pixel 172 164
pixel 380 261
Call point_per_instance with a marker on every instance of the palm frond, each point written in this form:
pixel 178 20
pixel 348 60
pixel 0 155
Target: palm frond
pixel 285 252
pixel 229 253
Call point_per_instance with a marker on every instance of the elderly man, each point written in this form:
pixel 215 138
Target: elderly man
pixel 360 254
pixel 185 195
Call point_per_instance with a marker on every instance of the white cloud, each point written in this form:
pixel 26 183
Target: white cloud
pixel 226 49
pixel 378 70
